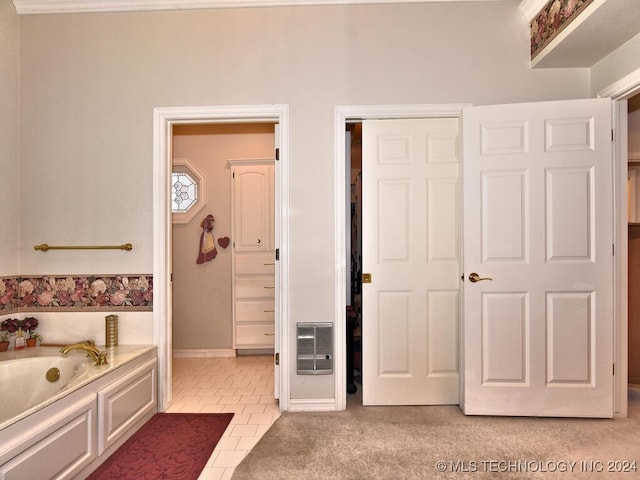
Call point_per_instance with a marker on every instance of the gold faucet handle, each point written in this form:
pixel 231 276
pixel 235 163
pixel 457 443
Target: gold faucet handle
pixel 102 358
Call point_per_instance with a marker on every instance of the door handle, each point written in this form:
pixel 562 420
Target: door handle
pixel 474 277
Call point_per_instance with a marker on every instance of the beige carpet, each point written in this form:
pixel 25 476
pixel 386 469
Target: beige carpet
pixel 408 442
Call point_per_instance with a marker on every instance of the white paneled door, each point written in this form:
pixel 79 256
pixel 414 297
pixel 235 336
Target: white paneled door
pixel 537 237
pixel 411 251
pixel 538 332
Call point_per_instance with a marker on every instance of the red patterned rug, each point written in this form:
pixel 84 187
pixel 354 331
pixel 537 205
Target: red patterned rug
pixel 169 446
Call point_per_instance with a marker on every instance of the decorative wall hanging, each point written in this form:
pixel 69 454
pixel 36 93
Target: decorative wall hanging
pixel 207 250
pixel 223 242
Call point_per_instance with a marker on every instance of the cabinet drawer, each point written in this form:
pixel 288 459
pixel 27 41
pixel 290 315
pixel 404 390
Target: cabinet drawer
pixel 255 311
pixel 254 336
pixel 259 287
pixel 255 264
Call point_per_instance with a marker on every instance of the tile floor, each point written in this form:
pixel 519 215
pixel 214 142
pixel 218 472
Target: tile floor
pixel 242 385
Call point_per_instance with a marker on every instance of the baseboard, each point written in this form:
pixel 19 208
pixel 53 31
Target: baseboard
pixel 256 351
pixel 203 353
pixel 312 405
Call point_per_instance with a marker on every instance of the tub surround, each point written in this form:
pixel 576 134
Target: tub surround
pixel 116 356
pixel 73 307
pixel 134 328
pixel 72 433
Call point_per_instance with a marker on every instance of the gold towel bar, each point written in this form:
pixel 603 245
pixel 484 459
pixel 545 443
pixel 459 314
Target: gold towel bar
pixel 44 247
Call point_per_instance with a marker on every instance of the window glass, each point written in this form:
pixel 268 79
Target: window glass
pixel 184 192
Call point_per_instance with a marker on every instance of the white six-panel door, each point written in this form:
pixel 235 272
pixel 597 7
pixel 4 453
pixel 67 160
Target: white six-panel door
pixel 538 220
pixel 411 221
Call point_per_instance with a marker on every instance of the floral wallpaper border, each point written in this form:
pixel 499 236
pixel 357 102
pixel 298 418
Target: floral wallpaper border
pixel 551 20
pixel 67 293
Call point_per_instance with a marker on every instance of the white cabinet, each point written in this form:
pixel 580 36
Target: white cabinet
pixel 253 243
pixel 57 447
pixel 124 403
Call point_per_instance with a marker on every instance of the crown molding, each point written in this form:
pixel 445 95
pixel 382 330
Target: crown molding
pixel 26 7
pixel 624 88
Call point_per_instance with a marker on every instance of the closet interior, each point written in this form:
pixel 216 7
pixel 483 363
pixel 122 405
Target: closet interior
pixel 354 246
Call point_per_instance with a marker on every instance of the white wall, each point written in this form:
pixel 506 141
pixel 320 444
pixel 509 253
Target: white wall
pixel 202 313
pixel 90 83
pixel 9 139
pixel 134 328
pixel 616 65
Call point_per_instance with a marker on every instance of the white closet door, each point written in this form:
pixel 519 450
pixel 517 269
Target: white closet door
pixel 411 218
pixel 538 221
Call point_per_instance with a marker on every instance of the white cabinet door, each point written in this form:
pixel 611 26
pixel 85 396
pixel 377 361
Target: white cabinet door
pixel 58 447
pixel 538 221
pixel 411 249
pixel 125 403
pixel 253 207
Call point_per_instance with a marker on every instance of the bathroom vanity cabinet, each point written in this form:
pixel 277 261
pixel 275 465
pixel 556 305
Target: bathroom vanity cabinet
pixel 73 435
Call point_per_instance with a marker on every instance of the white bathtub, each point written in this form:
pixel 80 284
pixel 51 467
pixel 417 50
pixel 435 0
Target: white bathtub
pixel 24 384
pixel 65 429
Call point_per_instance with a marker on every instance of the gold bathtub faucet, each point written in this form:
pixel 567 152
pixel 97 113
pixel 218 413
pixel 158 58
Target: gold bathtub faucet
pixel 89 347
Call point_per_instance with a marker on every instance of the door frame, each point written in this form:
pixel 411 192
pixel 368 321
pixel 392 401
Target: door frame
pixel 163 120
pixel 344 114
pixel 619 92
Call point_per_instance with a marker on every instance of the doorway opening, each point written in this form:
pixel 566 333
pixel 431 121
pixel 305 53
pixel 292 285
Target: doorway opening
pixel 349 120
pixel 353 151
pixel 203 272
pixel 633 193
pixel 165 119
pixel 344 114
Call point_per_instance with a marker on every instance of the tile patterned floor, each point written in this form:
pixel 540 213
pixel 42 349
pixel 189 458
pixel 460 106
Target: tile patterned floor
pixel 242 385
